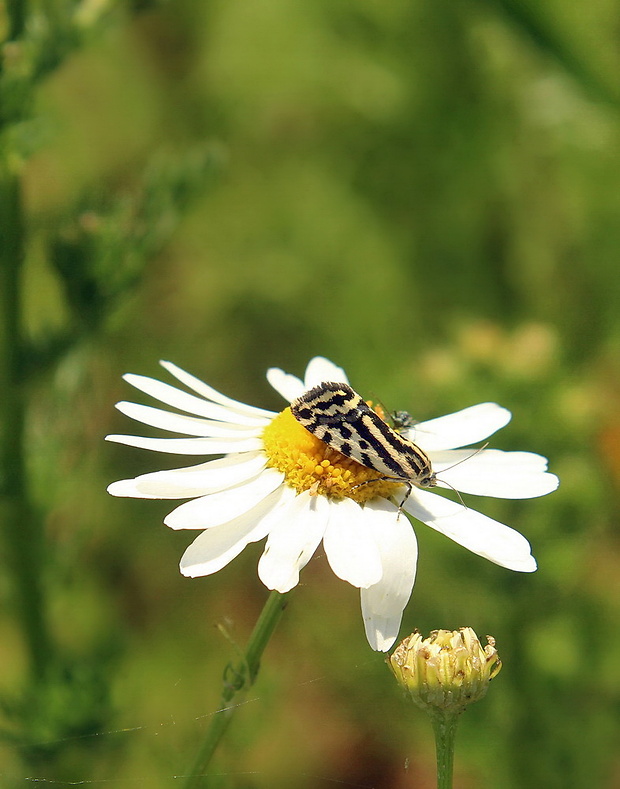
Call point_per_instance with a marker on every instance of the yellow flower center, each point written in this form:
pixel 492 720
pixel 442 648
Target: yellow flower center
pixel 309 463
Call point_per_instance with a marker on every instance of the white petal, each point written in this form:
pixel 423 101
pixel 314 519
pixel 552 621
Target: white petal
pixel 289 386
pixel 196 405
pixel 212 394
pixel 185 483
pixel 486 459
pixel 191 425
pixel 492 472
pixel 216 508
pixel 215 548
pixel 464 427
pixel 294 537
pixel 321 369
pixel 383 603
pixel 189 446
pixel 478 533
pixel 350 544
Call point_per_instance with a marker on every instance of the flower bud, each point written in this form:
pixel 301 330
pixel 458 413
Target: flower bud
pixel 446 671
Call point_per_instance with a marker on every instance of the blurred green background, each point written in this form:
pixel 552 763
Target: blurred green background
pixel 428 193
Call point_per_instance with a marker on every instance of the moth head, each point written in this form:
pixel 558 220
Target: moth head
pixel 427 480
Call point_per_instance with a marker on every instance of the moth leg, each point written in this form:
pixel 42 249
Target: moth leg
pixel 395 479
pixel 369 482
pixel 406 496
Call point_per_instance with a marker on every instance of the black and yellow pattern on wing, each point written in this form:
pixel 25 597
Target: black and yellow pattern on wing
pixel 338 416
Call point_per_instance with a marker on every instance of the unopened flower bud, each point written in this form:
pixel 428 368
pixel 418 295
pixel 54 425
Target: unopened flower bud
pixel 446 671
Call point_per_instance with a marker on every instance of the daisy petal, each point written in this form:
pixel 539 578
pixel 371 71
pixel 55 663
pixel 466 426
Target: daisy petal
pixel 492 472
pixel 216 547
pixel 350 544
pixel 215 508
pixel 292 541
pixel 383 603
pixel 321 369
pixel 476 532
pixel 460 429
pixel 285 384
pixel 190 425
pixel 240 498
pixel 190 403
pixel 185 483
pixel 189 446
pixel 210 393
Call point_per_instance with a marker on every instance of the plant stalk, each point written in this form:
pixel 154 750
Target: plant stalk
pixel 444 726
pixel 21 527
pixel 237 682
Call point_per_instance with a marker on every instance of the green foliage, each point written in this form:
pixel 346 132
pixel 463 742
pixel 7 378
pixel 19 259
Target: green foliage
pixel 99 251
pixel 74 700
pixel 424 192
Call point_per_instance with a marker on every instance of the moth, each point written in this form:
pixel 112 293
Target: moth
pixel 338 416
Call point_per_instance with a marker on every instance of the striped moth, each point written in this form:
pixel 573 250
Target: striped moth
pixel 339 417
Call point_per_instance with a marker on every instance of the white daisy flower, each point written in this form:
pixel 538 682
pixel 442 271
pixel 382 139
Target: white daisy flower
pixel 278 481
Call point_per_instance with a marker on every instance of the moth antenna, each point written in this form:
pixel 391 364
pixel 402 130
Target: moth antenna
pixel 469 457
pixel 460 498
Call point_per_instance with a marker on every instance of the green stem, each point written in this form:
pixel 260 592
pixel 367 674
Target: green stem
pixel 236 682
pixel 444 726
pixel 23 535
pixel 16 12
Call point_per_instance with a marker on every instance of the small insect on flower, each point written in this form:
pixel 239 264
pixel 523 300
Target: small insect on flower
pixel 401 420
pixel 338 416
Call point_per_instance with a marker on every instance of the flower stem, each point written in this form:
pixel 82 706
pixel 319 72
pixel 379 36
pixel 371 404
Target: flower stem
pixel 444 726
pixel 19 523
pixel 237 681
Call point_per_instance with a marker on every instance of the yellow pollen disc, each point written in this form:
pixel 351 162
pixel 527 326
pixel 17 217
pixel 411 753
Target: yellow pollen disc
pixel 309 463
